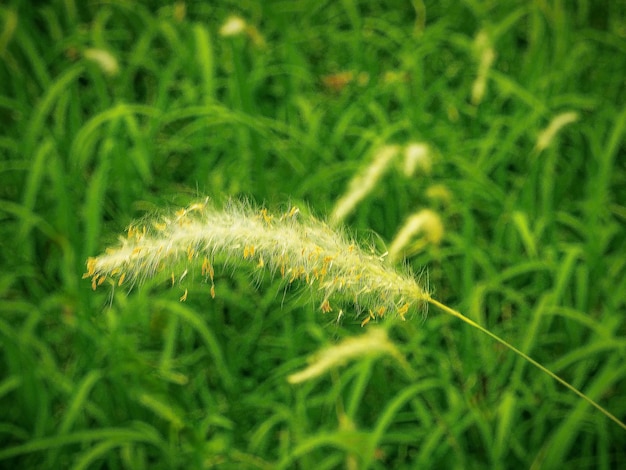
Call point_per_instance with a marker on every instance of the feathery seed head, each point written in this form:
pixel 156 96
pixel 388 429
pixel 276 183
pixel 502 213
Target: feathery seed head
pixel 425 222
pixel 363 183
pixel 417 155
pixel 549 133
pixel 373 343
pixel 104 59
pixel 486 55
pixel 300 250
pixel 234 26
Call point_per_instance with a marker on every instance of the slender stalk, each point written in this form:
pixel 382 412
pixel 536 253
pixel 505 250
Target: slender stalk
pixel 526 357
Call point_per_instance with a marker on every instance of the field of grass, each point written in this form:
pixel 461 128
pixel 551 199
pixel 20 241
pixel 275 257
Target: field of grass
pixel 112 110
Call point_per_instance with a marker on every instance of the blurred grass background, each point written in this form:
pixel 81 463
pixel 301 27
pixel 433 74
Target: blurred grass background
pixel 110 110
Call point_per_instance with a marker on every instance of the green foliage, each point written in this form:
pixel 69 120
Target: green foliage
pixel 109 110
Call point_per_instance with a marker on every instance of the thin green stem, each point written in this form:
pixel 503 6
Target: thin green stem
pixel 526 357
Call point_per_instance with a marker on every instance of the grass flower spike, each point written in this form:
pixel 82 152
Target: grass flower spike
pixel 485 55
pixel 373 343
pixel 417 156
pixel 363 183
pixel 104 59
pixel 233 26
pixel 299 249
pixel 426 222
pixel 549 133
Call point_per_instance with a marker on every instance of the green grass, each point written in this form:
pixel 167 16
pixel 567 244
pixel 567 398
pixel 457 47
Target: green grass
pixel 533 248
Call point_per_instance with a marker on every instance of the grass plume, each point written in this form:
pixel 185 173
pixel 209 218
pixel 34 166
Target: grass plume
pixel 556 124
pixel 374 342
pixel 363 183
pixel 301 249
pixel 426 222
